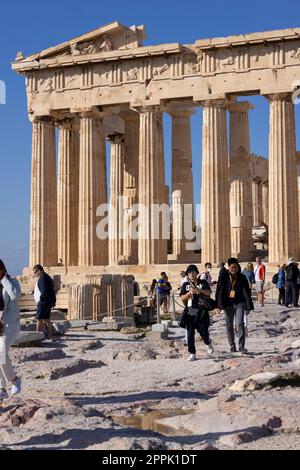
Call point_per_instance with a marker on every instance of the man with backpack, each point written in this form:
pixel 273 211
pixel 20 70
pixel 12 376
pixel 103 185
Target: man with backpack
pixel 291 288
pixel 206 276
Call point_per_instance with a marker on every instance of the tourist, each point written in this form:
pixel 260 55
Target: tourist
pixel 10 293
pixel 260 275
pixel 184 279
pixel 222 270
pixel 136 287
pixel 280 284
pixel 248 271
pixel 291 286
pixel 163 288
pixel 206 276
pixel 197 317
pixel 45 299
pixel 233 295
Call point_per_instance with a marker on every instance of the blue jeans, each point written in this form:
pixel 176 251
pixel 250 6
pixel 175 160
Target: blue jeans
pixel 237 311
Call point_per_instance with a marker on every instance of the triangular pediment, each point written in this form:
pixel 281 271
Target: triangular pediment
pixel 113 36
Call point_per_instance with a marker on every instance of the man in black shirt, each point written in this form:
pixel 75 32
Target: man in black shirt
pixel 197 317
pixel 291 293
pixel 45 298
pixel 233 295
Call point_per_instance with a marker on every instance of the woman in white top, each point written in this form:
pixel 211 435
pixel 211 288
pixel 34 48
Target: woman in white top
pixel 10 327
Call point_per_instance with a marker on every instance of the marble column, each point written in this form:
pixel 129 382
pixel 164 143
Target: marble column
pixel 115 245
pixel 68 189
pixel 43 213
pixel 265 202
pixel 182 175
pixel 93 251
pixel 130 184
pixel 257 201
pixel 215 184
pixel 152 248
pixel 177 225
pixel 241 218
pixel 283 207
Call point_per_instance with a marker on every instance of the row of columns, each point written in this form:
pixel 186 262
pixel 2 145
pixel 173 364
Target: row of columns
pixel 64 227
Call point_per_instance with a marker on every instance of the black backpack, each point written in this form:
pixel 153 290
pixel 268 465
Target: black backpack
pixel 275 278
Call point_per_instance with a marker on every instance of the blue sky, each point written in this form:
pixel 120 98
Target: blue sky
pixel 34 25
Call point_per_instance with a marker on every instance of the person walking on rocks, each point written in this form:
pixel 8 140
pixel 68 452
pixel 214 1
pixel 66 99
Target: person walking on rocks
pixel 280 284
pixel 197 317
pixel 45 299
pixel 233 295
pixel 260 275
pixel 206 276
pixel 291 292
pixel 10 293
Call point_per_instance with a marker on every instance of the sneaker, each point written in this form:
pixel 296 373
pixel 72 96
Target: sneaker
pixel 243 350
pixel 210 348
pixel 3 395
pixel 233 349
pixel 192 357
pixel 16 387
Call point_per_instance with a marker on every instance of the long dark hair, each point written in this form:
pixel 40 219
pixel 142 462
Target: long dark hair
pixel 2 266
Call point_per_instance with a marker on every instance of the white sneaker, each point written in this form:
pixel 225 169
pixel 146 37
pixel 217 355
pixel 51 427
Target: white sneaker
pixel 192 357
pixel 16 387
pixel 210 348
pixel 3 395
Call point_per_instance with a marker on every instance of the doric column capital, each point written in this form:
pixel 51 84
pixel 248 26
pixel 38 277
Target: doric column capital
pixel 35 119
pixel 178 109
pixel 215 103
pixel 69 124
pixel 279 97
pixel 148 109
pixel 240 107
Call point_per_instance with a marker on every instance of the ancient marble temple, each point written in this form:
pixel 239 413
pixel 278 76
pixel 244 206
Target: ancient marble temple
pixel 106 85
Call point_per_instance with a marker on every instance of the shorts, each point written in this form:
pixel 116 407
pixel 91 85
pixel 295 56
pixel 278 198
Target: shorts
pixel 43 312
pixel 260 286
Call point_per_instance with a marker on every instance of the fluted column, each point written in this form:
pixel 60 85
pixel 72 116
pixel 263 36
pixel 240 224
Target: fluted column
pixel 283 207
pixel 93 251
pixel 152 249
pixel 182 175
pixel 215 184
pixel 241 218
pixel 130 185
pixel 115 245
pixel 257 201
pixel 43 214
pixel 68 188
pixel 177 225
pixel 265 202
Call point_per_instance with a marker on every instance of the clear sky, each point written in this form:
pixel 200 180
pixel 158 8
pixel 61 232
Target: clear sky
pixel 35 25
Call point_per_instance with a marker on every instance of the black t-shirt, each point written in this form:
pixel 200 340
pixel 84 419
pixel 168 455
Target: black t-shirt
pixel 201 284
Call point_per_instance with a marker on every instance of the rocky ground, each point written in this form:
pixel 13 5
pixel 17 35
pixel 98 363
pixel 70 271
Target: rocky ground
pixel 89 389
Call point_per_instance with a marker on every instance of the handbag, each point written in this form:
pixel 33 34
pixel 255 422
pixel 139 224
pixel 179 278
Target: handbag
pixel 207 303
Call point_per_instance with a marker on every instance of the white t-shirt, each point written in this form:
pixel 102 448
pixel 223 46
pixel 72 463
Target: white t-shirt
pixel 37 293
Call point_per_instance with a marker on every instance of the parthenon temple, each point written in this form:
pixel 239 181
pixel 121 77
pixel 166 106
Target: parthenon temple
pixel 107 86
